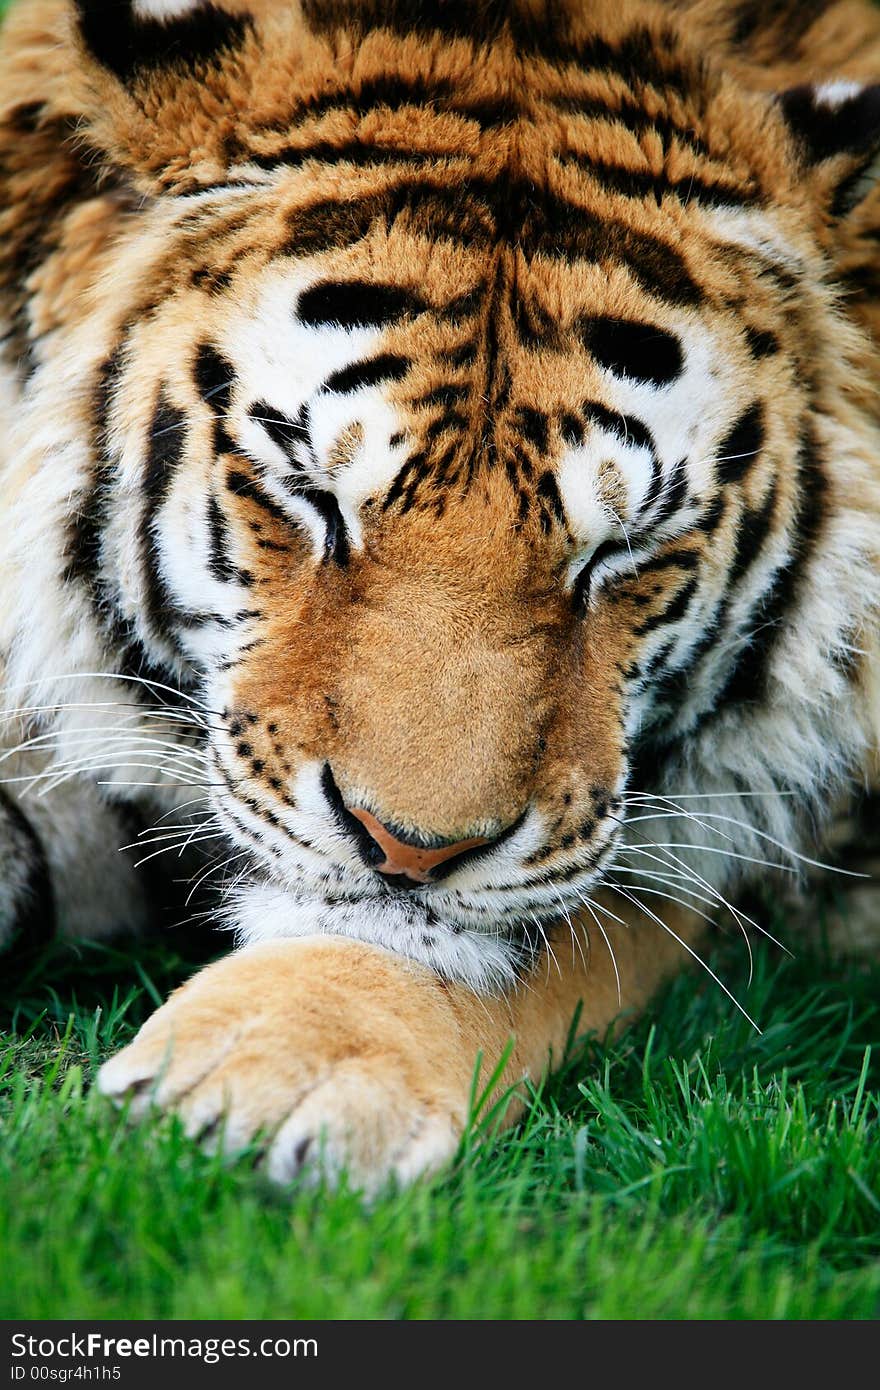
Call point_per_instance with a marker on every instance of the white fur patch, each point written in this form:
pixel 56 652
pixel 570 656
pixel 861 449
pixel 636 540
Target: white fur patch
pixel 286 363
pixel 482 960
pixel 835 94
pixel 165 9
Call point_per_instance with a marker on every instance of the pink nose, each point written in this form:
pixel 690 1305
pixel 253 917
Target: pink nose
pixel 410 861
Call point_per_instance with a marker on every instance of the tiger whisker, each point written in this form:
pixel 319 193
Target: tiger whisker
pixel 589 906
pixel 690 951
pixel 113 676
pixel 162 713
pixel 693 876
pixel 759 834
pixel 175 810
pixel 213 868
pixel 59 774
pixel 575 937
pixel 108 735
pixel 701 796
pixel 163 849
pixel 670 897
pixel 171 837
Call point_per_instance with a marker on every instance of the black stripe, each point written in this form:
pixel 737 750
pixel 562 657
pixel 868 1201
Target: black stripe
pixel 132 47
pixel 534 426
pixel 281 429
pixel 773 610
pixel 581 588
pixel 215 377
pixel 782 23
pixel 752 535
pixel 674 495
pixel 630 431
pixel 571 429
pixel 741 445
pixel 373 371
pixel 219 562
pixel 394 94
pixel 446 466
pixel 357 304
pixel 641 55
pixel 652 492
pixel 243 486
pixel 548 489
pixel 427 209
pixel 465 355
pixel 170 686
pixel 164 455
pixel 823 131
pixel 674 612
pixel 32 139
pixel 642 183
pixel 754 528
pixel 449 395
pixel 636 119
pixel 709 521
pixel 84 548
pixel 638 350
pixel 762 343
pixel 672 559
pixel 357 152
pixel 395 91
pixel 524 463
pixel 449 420
pixel 534 326
pixel 336 543
pixel 413 471
pixel 392 91
pixel 85 562
pixel 464 306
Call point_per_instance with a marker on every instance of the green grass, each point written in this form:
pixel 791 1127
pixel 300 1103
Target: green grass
pixel 691 1170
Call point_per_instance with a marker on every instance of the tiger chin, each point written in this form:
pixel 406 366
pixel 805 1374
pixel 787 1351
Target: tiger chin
pixel 440 468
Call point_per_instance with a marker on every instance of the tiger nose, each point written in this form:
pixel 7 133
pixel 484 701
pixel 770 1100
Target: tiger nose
pixel 402 859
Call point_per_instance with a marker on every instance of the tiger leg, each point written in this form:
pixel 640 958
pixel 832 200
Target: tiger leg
pixel 326 1048
pixel 27 906
pixel 61 870
pixel 848 922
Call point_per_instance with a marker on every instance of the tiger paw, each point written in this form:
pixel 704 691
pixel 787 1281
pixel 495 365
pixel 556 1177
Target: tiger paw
pixel 330 1056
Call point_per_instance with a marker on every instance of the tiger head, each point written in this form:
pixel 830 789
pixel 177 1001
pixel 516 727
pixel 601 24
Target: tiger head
pixel 466 441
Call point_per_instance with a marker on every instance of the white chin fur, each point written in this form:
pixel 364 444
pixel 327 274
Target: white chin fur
pixel 165 9
pixel 484 962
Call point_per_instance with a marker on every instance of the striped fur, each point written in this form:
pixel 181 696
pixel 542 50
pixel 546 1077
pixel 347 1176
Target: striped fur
pixel 469 414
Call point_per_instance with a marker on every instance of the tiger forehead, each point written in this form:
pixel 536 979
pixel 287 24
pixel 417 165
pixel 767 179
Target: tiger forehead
pixel 570 88
pixel 541 140
pixel 487 244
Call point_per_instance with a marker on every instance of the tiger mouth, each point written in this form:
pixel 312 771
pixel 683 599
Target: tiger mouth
pixel 511 909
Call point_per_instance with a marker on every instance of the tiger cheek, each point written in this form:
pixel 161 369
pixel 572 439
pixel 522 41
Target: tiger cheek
pixel 590 736
pixel 289 676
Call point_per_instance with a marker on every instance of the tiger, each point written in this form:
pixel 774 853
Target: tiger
pixel 440 479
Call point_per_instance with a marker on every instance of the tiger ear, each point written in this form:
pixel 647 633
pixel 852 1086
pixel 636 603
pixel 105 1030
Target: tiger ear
pixel 836 131
pixel 133 38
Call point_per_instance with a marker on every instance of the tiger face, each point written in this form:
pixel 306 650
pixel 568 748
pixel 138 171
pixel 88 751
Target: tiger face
pixel 481 560
pixel 461 447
